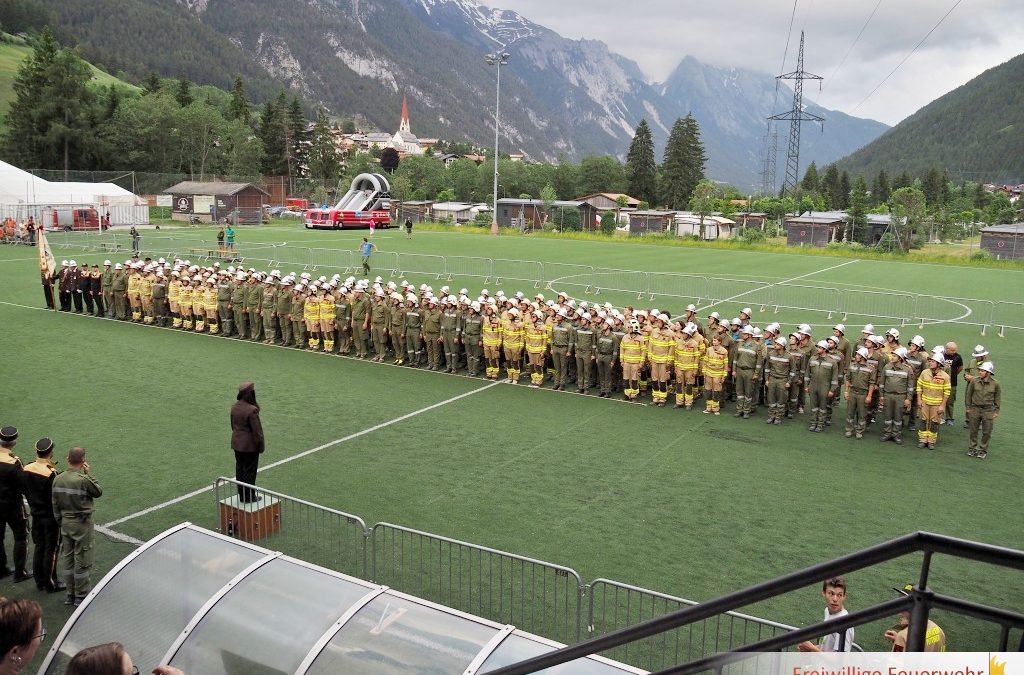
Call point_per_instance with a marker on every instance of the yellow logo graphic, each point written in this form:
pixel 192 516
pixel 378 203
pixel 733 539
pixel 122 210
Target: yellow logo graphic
pixel 995 667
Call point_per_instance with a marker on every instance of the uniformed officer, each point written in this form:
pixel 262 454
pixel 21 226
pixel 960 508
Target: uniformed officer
pixel 780 371
pixel 561 341
pixel 746 367
pixel 860 388
pixel 297 312
pixel 917 359
pixel 185 302
pixel 38 488
pixel 360 320
pixel 512 338
pixel 225 290
pixel 64 286
pixel 96 291
pixel 491 335
pixel 107 288
pixel 398 327
pixel 268 309
pixel 158 291
pixel 343 319
pixel 585 350
pixel 982 398
pixel 715 366
pixel 311 316
pixel 73 493
pixel 897 384
pixel 607 348
pixel 83 293
pixel 12 509
pixel 687 355
pixel 380 318
pixel 632 352
pixel 472 338
pixel 933 389
pixel 450 333
pixel 821 380
pixel 536 339
pixel 254 307
pixel 238 295
pixel 970 370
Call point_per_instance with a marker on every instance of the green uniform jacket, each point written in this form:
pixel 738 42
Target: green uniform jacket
pixel 749 355
pixel 360 308
pixel 781 366
pixel 450 322
pixel 119 284
pixel 298 306
pixel 472 328
pixel 342 312
pixel 861 376
pixel 607 345
pixel 224 291
pixel 269 300
pixel 254 300
pixel 983 394
pixel 561 335
pixel 413 319
pixel 73 492
pixel 822 373
pixel 585 344
pixel 897 379
pixel 284 303
pixel 238 293
pixel 380 316
pixel 107 280
pixel 397 319
pixel 432 321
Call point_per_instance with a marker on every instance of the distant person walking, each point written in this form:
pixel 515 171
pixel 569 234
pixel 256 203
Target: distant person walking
pixel 408 228
pixel 246 439
pixel 229 232
pixel 73 495
pixel 136 239
pixel 365 249
pixel 373 227
pixel 220 242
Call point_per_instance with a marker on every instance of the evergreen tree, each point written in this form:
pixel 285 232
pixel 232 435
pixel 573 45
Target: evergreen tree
pixel 183 93
pixel 902 181
pixel 641 169
pixel 844 191
pixel 151 84
pixel 830 186
pixel 238 109
pixel 24 130
pixel 811 181
pixel 113 101
pixel 858 214
pixel 323 152
pixel 297 138
pixel 880 188
pixel 684 162
pixel 931 186
pixel 271 130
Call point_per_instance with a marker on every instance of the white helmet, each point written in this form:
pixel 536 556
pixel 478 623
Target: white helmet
pixel 748 329
pixel 894 333
pixel 863 352
pixel 877 339
pixel 715 315
pixel 563 312
pixel 900 352
pixel 634 325
pixel 513 312
pixel 691 308
pixel 869 329
pixel 840 327
pixel 988 367
pixel 757 332
pixel 823 344
pixel 476 306
pixel 690 328
pixel 980 352
pixel 917 340
pixel 747 311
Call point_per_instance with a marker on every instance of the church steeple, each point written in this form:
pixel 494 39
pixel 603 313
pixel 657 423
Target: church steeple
pixel 404 126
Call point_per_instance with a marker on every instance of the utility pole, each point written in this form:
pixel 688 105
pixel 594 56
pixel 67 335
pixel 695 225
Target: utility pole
pixel 497 60
pixel 795 116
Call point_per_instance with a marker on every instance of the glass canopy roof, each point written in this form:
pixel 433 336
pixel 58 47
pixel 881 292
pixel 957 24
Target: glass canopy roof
pixel 210 604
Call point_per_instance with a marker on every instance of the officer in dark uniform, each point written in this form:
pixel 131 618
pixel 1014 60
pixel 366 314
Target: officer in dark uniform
pixel 37 482
pixel 12 510
pixel 47 281
pixel 96 290
pixel 81 289
pixel 65 283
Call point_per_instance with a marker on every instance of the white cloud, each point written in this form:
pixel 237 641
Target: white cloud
pixel 751 34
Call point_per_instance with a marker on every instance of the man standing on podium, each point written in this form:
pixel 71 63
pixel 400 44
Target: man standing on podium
pixel 246 439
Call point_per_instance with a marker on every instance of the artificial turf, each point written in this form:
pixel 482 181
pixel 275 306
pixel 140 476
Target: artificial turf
pixel 679 502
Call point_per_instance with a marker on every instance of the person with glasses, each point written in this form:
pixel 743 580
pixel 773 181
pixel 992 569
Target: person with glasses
pixel 109 659
pixel 21 633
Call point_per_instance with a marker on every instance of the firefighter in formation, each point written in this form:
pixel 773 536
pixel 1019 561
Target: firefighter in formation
pixel 646 354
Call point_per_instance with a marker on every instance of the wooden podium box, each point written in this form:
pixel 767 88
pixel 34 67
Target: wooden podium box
pixel 250 520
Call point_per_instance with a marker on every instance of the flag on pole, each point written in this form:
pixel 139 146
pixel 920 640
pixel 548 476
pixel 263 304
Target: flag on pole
pixel 46 262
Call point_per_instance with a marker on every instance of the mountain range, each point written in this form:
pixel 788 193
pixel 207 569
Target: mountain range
pixel 559 97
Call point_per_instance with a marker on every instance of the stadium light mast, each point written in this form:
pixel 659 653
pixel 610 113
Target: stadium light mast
pixel 498 60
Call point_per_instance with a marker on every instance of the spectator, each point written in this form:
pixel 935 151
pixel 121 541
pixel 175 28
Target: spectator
pixel 246 439
pixel 30 228
pixel 135 239
pixel 955 363
pixel 109 659
pixel 230 235
pixel 834 592
pixel 220 241
pixel 21 633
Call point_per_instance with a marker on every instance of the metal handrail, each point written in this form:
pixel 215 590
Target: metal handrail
pixel 919 601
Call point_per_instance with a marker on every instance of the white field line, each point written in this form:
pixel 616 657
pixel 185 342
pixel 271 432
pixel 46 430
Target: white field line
pixel 784 281
pixel 118 536
pixel 306 453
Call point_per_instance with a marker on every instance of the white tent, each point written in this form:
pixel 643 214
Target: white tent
pixel 23 195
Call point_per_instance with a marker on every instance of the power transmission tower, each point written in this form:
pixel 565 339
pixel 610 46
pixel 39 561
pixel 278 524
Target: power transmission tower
pixel 770 158
pixel 795 116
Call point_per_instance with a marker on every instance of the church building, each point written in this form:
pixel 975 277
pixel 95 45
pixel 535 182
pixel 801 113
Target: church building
pixel 404 140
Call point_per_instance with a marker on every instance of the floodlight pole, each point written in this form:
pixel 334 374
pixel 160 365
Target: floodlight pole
pixel 498 60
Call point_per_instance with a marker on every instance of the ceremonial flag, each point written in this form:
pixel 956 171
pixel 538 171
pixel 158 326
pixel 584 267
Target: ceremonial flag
pixel 46 262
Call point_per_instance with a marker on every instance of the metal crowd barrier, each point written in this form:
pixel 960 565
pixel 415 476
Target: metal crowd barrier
pixel 422 264
pixel 527 271
pixel 614 605
pixel 881 304
pixel 323 536
pixel 969 311
pixel 1009 315
pixel 534 595
pixel 807 298
pixel 467 266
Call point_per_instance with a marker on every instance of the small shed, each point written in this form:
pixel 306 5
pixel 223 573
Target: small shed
pixel 1004 242
pixel 416 211
pixel 214 201
pixel 745 219
pixel 455 212
pixel 522 213
pixel 688 224
pixel 650 222
pixel 814 229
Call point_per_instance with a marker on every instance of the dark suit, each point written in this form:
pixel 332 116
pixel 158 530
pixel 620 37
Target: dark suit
pixel 247 442
pixel 84 292
pixel 96 289
pixel 66 283
pixel 37 480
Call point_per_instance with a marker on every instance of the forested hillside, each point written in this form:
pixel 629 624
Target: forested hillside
pixel 975 132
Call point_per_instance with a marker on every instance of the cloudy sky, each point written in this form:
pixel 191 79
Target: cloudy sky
pixel 657 34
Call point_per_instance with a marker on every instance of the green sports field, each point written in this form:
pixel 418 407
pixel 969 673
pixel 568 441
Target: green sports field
pixel 679 502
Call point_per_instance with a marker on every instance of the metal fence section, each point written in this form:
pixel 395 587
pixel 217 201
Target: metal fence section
pixel 466 266
pixel 573 279
pixel 528 271
pixel 343 261
pixel 939 309
pixel 613 605
pixel 622 281
pixel 422 264
pixel 320 535
pixel 741 291
pixel 534 595
pixel 880 304
pixel 688 288
pixel 1009 315
pixel 808 298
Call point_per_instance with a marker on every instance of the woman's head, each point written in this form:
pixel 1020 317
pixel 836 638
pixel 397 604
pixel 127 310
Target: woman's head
pixel 21 631
pixel 247 393
pixel 108 659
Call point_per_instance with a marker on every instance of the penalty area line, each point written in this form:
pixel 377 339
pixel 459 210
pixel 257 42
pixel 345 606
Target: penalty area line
pixel 106 528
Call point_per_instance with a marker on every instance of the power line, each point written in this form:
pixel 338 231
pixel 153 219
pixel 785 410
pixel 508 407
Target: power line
pixel 789 36
pixel 855 41
pixel 911 53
